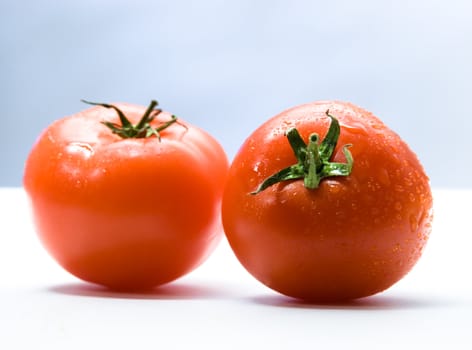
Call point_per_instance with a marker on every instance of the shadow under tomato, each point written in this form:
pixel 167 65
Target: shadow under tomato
pixel 171 291
pixel 376 302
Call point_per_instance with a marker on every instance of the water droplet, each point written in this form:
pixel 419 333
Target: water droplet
pixel 80 148
pixel 354 128
pixel 413 223
pixel 399 188
pixel 408 179
pixel 398 206
pixel 383 177
pixel 334 187
pixel 256 167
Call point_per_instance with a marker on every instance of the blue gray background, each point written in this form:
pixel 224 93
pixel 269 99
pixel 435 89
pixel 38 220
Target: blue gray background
pixel 227 66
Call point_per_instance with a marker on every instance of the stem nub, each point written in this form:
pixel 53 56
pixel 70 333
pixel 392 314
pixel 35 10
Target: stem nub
pixel 143 129
pixel 313 159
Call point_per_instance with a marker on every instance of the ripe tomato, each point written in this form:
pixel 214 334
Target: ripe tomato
pixel 125 196
pixel 329 220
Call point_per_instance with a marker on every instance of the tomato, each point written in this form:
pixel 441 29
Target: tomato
pixel 324 202
pixel 126 196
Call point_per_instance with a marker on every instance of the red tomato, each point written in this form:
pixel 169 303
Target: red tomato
pixel 351 218
pixel 129 206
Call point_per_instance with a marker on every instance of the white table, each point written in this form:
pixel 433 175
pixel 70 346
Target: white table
pixel 220 306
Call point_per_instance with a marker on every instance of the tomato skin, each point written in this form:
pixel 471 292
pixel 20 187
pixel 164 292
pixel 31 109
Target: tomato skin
pixel 126 213
pixel 352 236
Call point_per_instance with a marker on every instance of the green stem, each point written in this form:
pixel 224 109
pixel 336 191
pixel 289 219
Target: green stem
pixel 143 129
pixel 313 160
pixel 313 163
pixel 147 116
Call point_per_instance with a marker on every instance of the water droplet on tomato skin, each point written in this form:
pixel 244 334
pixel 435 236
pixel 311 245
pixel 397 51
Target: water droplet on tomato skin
pixel 399 188
pixel 334 187
pixel 256 167
pixel 79 184
pixel 353 128
pixel 414 224
pixel 396 248
pixel 383 177
pixel 376 125
pixel 363 163
pixel 81 148
pixel 408 179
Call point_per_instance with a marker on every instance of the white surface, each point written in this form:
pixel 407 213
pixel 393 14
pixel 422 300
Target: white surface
pixel 220 306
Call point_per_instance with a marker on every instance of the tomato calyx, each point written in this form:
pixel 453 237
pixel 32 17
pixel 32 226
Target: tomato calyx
pixel 143 129
pixel 313 159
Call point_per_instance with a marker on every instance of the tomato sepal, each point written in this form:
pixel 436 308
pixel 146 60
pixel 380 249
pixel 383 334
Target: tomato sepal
pixel 143 129
pixel 313 159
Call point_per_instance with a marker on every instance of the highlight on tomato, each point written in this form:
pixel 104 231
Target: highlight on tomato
pixel 325 203
pixel 126 196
